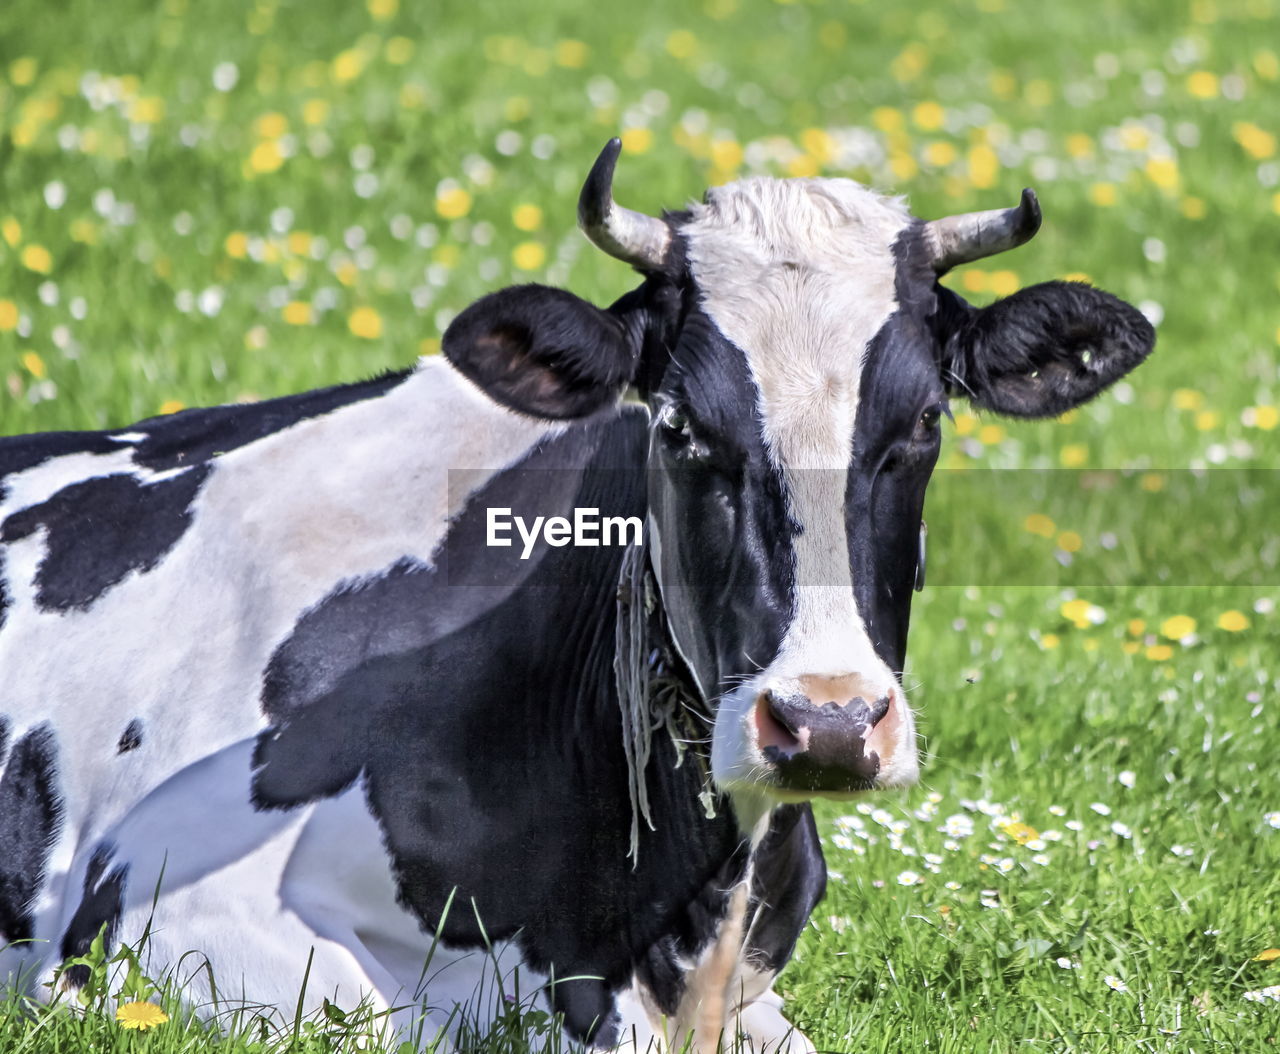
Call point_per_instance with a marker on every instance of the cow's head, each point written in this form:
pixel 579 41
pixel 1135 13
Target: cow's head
pixel 797 354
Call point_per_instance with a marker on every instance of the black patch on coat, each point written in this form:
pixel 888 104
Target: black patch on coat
pixel 4 585
pixel 99 911
pixel 492 755
pixel 101 530
pixel 30 818
pixel 131 737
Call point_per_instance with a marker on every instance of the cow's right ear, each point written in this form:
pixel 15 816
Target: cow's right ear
pixel 543 351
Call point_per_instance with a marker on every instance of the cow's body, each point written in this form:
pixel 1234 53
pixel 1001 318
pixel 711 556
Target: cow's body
pixel 267 692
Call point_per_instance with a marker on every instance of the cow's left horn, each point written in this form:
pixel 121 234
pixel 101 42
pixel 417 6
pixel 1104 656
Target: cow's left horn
pixel 640 240
pixel 962 239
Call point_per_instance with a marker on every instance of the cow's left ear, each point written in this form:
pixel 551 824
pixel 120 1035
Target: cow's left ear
pixel 1043 350
pixel 543 351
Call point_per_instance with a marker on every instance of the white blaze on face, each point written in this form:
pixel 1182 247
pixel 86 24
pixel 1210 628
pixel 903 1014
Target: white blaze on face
pixel 799 274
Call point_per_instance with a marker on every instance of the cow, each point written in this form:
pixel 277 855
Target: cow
pixel 273 690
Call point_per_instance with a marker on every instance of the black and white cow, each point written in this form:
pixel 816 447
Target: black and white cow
pixel 264 682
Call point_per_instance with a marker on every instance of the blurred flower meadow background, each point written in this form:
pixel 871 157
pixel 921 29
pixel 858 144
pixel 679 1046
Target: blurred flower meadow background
pixel 208 202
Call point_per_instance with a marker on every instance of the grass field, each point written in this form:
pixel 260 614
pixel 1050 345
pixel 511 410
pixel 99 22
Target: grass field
pixel 203 202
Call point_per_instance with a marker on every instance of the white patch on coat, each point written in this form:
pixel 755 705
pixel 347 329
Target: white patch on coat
pixel 799 275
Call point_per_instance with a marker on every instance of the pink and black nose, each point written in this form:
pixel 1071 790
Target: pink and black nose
pixel 827 734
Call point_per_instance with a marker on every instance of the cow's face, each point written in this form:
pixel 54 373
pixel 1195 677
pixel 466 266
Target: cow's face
pixel 797 354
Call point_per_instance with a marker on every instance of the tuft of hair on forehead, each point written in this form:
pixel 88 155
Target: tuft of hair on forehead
pixel 812 223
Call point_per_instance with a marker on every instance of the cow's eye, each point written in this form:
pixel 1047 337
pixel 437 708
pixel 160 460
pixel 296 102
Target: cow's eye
pixel 674 421
pixel 929 419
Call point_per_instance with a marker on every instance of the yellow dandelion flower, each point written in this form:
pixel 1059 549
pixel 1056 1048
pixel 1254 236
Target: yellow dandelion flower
pixel 298 243
pixel 529 256
pixel 1130 647
pixel 347 66
pixel 1049 641
pixel 1159 653
pixel 1207 420
pixel 236 245
pixel 1192 207
pixel 1187 399
pixel 1163 172
pixel 887 119
pixel 1203 85
pixel 1004 85
pixel 382 10
pixel 1022 833
pixel 682 44
pixel 939 154
pixel 1177 627
pixel 429 346
pixel 148 109
pixel 1070 542
pixel 819 143
pixel 1233 621
pixel 453 202
pixel 1267 955
pixel 11 229
pixel 928 115
pixel 266 157
pixel 315 111
pixel 1080 145
pixel 726 154
pixel 140 1016
pixel 973 280
pixel 1090 644
pixel 34 365
pixel 169 406
pixel 983 166
pixel 9 316
pixel 1077 276
pixel 1135 627
pixel 365 322
pixel 526 217
pixel 398 51
pixel 903 166
pixel 1040 524
pixel 1103 194
pixel 572 54
pixel 1038 93
pixel 37 258
pixel 23 71
pixel 803 166
pixel 297 313
pixel 990 435
pixel 1005 283
pixel 1077 611
pixel 271 126
pixel 1266 65
pixel 84 231
pixel 1258 143
pixel 637 140
pixel 966 423
pixel 1073 455
pixel 1264 417
pixel 909 63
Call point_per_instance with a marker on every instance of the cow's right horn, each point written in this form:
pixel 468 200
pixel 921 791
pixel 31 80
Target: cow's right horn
pixel 972 235
pixel 633 237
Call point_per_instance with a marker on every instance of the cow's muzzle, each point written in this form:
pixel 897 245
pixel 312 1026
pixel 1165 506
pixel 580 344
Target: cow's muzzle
pixel 831 739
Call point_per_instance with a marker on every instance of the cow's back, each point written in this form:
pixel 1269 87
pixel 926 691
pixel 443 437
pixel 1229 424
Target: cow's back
pixel 146 578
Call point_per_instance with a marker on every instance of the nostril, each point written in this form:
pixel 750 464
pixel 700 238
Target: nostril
pixel 776 724
pixel 877 710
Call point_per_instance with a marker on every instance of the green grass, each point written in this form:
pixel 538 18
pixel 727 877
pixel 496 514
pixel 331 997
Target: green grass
pixel 1148 129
